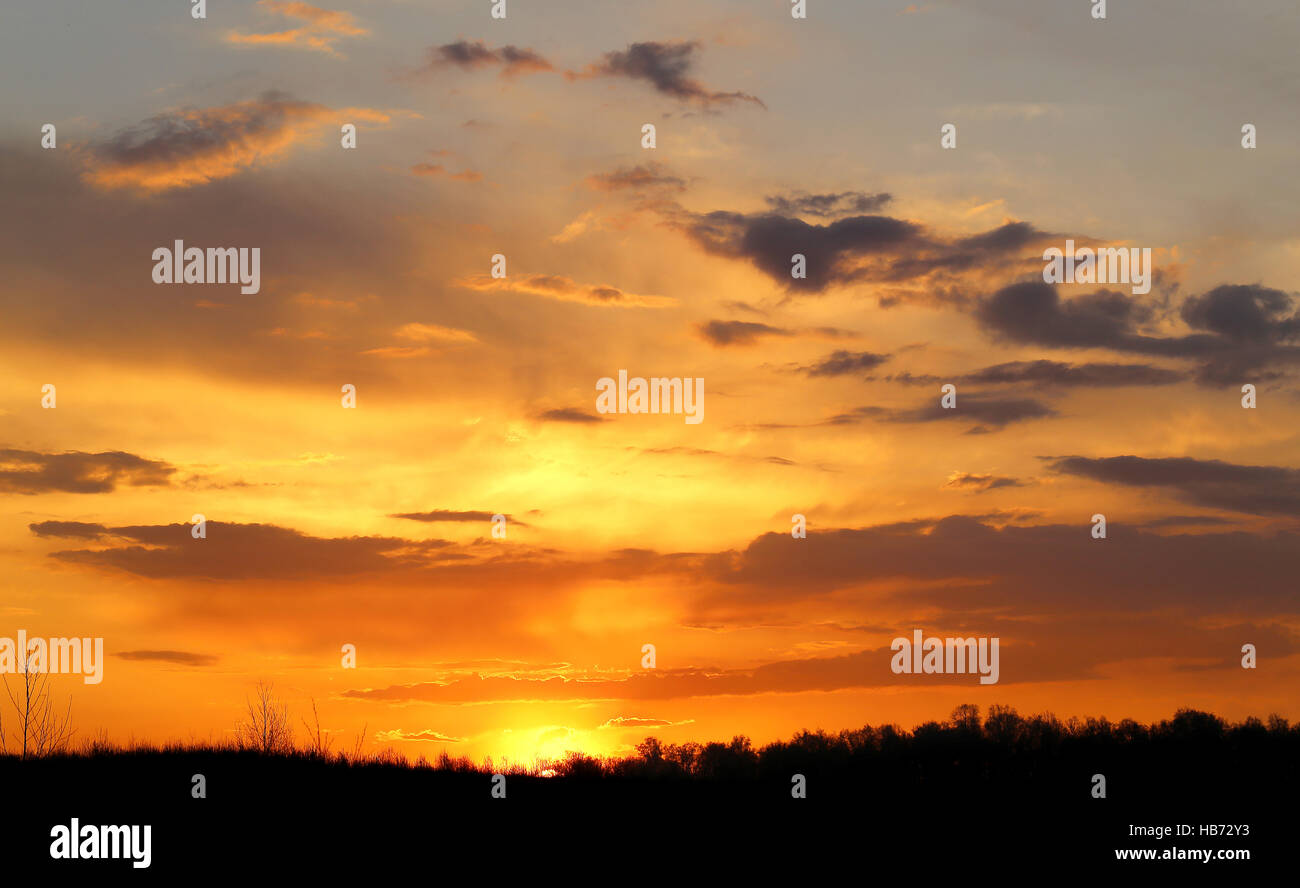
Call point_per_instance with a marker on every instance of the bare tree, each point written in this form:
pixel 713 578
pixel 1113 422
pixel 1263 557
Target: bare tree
pixel 40 729
pixel 266 727
pixel 319 742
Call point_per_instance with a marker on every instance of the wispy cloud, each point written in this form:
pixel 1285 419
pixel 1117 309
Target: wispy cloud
pixel 632 721
pixel 434 333
pixel 428 736
pixel 437 170
pixel 564 289
pixel 642 176
pixel 192 146
pixel 322 28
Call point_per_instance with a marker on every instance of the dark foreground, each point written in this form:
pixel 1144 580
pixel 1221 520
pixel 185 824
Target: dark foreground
pixel 958 795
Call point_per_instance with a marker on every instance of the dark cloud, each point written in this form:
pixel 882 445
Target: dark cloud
pixel 966 564
pixel 844 363
pixel 990 252
pixel 27 471
pixel 1055 374
pixel 568 414
pixel 183 658
pixel 841 203
pixel 448 515
pixel 854 249
pixel 769 241
pixel 1008 237
pixel 188 147
pixel 1246 314
pixel 724 333
pixel 1034 312
pixel 1262 326
pixel 991 411
pixel 1249 328
pixel 666 67
pixel 981 483
pixel 512 60
pixel 1253 490
pixel 252 551
pixel 1187 521
pixel 76 530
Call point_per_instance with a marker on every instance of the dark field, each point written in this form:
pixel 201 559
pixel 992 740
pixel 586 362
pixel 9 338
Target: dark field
pixel 1008 788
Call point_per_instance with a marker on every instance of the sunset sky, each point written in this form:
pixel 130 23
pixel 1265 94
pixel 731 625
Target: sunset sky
pixel 476 396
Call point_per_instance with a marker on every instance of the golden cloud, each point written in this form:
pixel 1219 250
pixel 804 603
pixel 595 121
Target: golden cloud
pixel 323 28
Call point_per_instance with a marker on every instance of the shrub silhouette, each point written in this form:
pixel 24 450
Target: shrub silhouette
pixel 266 727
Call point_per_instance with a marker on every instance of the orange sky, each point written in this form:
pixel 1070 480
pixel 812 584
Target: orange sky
pixel 370 526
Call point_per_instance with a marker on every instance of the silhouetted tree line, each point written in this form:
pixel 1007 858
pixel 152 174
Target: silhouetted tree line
pixel 1194 755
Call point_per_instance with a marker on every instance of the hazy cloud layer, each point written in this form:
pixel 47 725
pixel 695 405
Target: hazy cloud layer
pixel 1039 654
pixel 437 170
